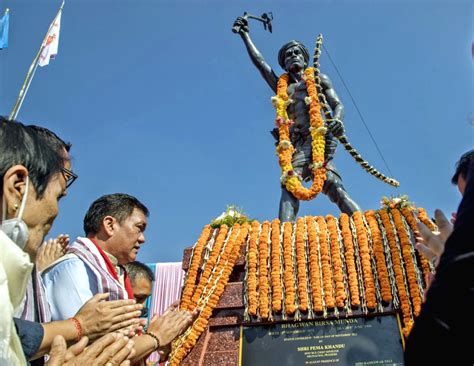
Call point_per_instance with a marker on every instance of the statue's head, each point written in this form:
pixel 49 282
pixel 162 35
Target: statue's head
pixel 293 55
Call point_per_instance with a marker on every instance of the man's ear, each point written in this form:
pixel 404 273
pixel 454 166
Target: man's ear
pixel 109 223
pixel 14 187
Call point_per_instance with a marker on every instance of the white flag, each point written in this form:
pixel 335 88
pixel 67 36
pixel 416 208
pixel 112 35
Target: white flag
pixel 50 49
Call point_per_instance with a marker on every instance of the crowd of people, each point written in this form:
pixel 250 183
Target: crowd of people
pixel 67 303
pixel 71 303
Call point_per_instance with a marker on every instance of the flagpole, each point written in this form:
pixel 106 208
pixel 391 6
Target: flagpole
pixel 31 72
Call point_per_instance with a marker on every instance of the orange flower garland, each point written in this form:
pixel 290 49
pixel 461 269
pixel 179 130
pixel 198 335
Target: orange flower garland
pixel 224 267
pixel 290 291
pixel 252 269
pixel 277 291
pixel 350 260
pixel 377 243
pixel 314 270
pixel 285 149
pixel 369 285
pixel 409 264
pixel 263 275
pixel 423 217
pixel 336 261
pixel 398 270
pixel 409 216
pixel 301 264
pixel 216 249
pixel 193 268
pixel 325 263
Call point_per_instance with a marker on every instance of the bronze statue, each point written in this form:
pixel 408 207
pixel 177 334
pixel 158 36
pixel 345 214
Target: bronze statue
pixel 293 58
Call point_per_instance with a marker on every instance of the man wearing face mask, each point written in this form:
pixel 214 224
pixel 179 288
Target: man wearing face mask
pixel 32 179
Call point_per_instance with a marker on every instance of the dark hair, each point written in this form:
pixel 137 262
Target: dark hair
pixel 117 205
pixel 20 144
pixel 281 53
pixel 462 166
pixel 52 138
pixel 138 269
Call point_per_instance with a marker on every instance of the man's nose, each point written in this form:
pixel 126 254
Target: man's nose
pixel 141 238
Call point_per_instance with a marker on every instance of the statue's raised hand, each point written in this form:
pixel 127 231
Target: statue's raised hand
pixel 241 25
pixel 336 127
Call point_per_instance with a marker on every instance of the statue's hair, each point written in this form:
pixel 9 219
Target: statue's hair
pixel 281 53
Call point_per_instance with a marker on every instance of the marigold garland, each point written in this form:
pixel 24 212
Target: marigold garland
pixel 336 261
pixel 325 263
pixel 193 268
pixel 285 149
pixel 409 216
pixel 409 264
pixel 263 273
pixel 289 283
pixel 377 243
pixel 301 264
pixel 315 278
pixel 423 217
pixel 398 270
pixel 224 263
pixel 252 257
pixel 362 239
pixel 209 265
pixel 277 290
pixel 350 260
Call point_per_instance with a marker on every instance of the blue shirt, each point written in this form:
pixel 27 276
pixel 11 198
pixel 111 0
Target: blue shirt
pixel 68 284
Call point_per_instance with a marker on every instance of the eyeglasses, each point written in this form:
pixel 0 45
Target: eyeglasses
pixel 69 176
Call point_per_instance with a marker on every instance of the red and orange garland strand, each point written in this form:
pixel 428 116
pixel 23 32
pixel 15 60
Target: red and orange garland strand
pixel 409 264
pixel 362 239
pixel 285 149
pixel 216 249
pixel 193 268
pixel 325 263
pixel 409 216
pixel 314 270
pixel 290 292
pixel 263 271
pixel 301 264
pixel 350 260
pixel 252 269
pixel 336 261
pixel 377 243
pixel 277 290
pixel 423 217
pixel 398 270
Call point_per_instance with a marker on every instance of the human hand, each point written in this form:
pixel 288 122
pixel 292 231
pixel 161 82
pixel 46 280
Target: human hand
pixel 111 349
pixel 170 325
pixel 51 250
pixel 336 127
pixel 241 25
pixel 98 317
pixel 431 244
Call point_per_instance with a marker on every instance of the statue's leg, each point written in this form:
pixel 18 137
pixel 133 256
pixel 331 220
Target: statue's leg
pixel 289 205
pixel 336 192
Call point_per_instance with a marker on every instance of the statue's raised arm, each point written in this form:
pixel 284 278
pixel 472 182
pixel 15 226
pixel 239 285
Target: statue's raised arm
pixel 241 24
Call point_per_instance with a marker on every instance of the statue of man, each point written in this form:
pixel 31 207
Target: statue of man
pixel 293 58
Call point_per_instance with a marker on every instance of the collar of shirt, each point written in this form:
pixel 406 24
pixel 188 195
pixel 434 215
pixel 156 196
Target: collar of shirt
pixel 118 268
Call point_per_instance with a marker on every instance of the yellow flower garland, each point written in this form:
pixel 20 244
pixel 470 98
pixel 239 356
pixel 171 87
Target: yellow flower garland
pixel 285 149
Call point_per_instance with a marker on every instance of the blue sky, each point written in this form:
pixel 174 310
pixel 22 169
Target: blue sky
pixel 161 101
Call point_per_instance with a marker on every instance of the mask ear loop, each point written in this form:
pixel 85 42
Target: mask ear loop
pixel 23 200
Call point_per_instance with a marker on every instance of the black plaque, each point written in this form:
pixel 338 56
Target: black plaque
pixel 349 341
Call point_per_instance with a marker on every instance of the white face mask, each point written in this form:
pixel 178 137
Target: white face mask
pixel 16 228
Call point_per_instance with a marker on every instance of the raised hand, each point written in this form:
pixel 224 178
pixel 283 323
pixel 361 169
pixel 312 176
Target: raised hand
pixel 98 317
pixel 170 325
pixel 240 26
pixel 111 349
pixel 51 250
pixel 431 244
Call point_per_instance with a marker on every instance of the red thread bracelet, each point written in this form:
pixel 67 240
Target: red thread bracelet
pixel 78 326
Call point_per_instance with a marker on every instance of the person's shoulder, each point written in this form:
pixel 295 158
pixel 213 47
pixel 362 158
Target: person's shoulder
pixel 68 262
